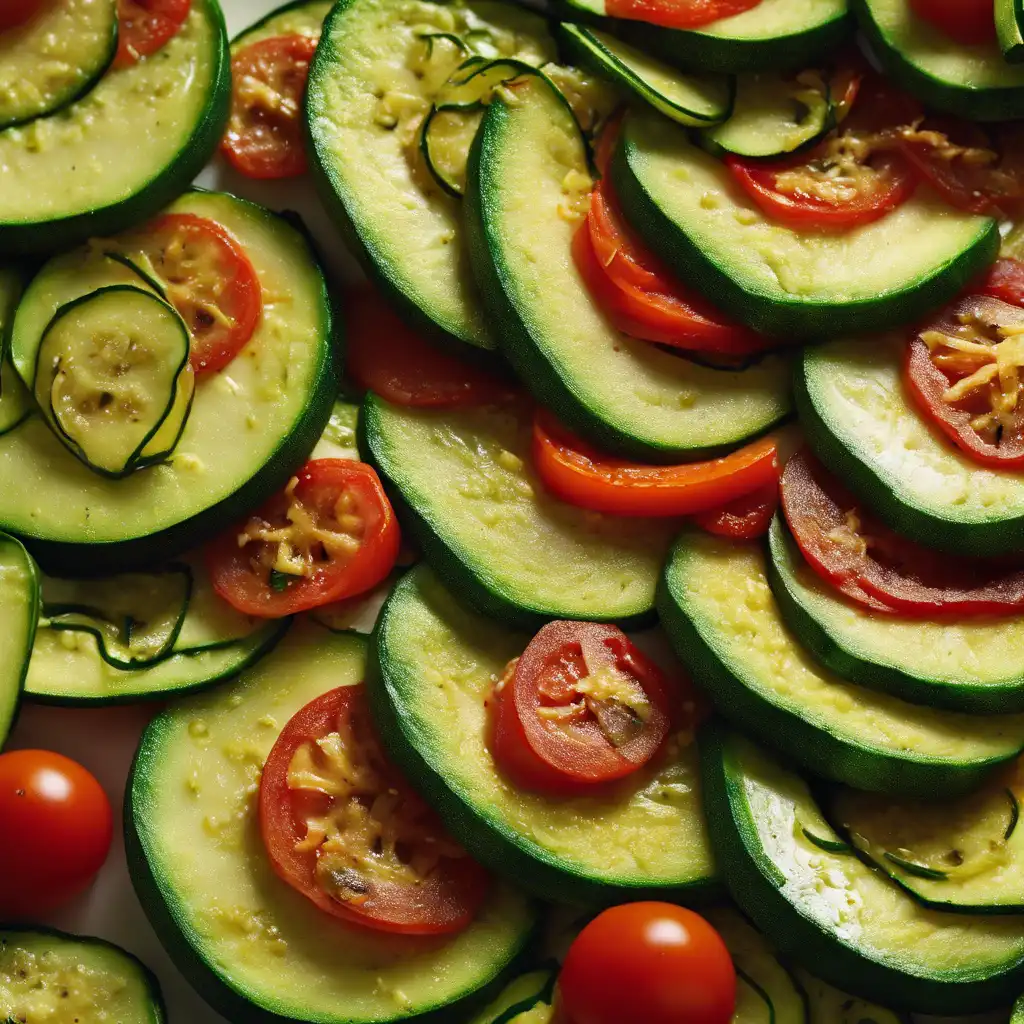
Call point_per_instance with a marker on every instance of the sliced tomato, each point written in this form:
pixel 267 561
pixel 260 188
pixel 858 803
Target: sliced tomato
pixel 582 476
pixel 329 535
pixel 744 518
pixel 264 137
pixel 14 13
pixel 146 26
pixel 877 568
pixel 1004 280
pixel 344 829
pixel 389 358
pixel 677 13
pixel 964 21
pixel 209 280
pixel 582 706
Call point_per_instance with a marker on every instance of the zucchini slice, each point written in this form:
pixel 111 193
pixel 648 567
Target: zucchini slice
pixel 15 402
pixel 50 974
pixel 968 81
pixel 113 379
pixel 779 280
pixel 526 198
pixel 124 150
pixel 55 58
pixel 697 102
pixel 720 615
pixel 969 665
pixel 1010 29
pixel 190 821
pixel 431 654
pixel 1018 1012
pixel 19 612
pixel 831 912
pixel 827 1005
pixel 470 498
pixel 299 17
pixel 527 1000
pixel 250 426
pixel 965 856
pixel 364 119
pixel 859 421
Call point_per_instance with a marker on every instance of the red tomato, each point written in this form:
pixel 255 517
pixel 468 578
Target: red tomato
pixel 385 356
pixel 745 518
pixel 329 535
pixel 18 12
pixel 1004 280
pixel 677 13
pixel 582 476
pixel 145 26
pixel 383 859
pixel 964 21
pixel 264 137
pixel 57 826
pixel 877 568
pixel 581 706
pixel 654 963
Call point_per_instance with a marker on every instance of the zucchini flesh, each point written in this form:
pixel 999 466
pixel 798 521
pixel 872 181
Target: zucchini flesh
pixel 19 612
pixel 1010 29
pixel 15 402
pixel 527 1000
pixel 827 1005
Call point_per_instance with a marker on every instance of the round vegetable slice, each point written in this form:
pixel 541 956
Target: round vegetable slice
pixel 1004 280
pixel 346 831
pixel 684 14
pixel 743 518
pixel 147 26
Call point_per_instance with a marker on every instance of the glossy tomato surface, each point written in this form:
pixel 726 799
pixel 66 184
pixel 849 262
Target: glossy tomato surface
pixel 146 26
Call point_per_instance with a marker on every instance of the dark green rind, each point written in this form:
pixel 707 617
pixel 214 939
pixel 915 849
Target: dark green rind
pixel 811 746
pixel 1010 29
pixel 767 313
pixel 755 886
pixel 999 104
pixel 1018 1012
pixel 9 713
pixel 55 235
pixel 500 848
pixel 156 999
pixel 829 649
pixel 999 537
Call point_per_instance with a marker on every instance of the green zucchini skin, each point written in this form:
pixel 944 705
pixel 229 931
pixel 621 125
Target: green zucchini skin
pixel 14 686
pixel 1018 1012
pixel 293 5
pixel 1010 29
pixel 163 188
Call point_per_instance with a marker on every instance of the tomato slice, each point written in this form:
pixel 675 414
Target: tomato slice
pixel 582 476
pixel 264 137
pixel 344 829
pixel 677 13
pixel 964 21
pixel 146 26
pixel 14 13
pixel 581 706
pixel 384 355
pixel 963 372
pixel 329 535
pixel 877 568
pixel 744 518
pixel 1004 280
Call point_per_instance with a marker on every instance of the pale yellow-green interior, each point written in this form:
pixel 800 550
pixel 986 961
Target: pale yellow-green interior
pixel 306 20
pixel 827 1005
pixel 17 613
pixel 524 988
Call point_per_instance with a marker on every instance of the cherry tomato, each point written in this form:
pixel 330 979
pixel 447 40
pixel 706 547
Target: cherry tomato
pixel 146 26
pixel 677 13
pixel 648 962
pixel 371 853
pixel 14 13
pixel 581 706
pixel 329 535
pixel 1004 280
pixel 872 566
pixel 745 518
pixel 264 136
pixel 57 825
pixel 387 357
pixel 964 21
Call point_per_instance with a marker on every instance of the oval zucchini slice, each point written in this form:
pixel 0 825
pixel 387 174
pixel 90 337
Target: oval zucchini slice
pixel 720 615
pixel 19 612
pixel 1018 1012
pixel 684 98
pixel 827 1005
pixel 527 1000
pixel 86 978
pixel 832 912
pixel 683 203
pixel 300 17
pixel 491 532
pixel 190 823
pixel 969 665
pixel 250 426
pixel 859 421
pixel 15 402
pixel 55 58
pixel 968 81
pixel 168 111
pixel 527 192
pixel 1010 29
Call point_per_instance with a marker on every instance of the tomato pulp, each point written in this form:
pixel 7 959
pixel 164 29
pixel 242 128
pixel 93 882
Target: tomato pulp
pixel 146 26
pixel 683 14
pixel 963 21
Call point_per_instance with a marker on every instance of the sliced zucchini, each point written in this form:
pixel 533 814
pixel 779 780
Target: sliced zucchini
pixel 208 887
pixel 365 118
pixel 1010 29
pixel 113 379
pixel 967 665
pixel 50 975
pixel 527 1000
pixel 470 498
pixel 250 426
pixel 527 195
pixel 1018 1012
pixel 339 439
pixel 697 102
pixel 300 17
pixel 19 612
pixel 832 913
pixel 965 855
pixel 15 401
pixel 720 615
pixel 777 279
pixel 968 81
pixel 859 421
pixel 128 147
pixel 827 1005
pixel 431 654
